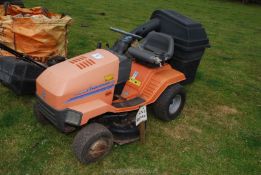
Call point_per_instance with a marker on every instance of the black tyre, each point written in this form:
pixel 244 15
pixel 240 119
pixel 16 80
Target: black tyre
pixel 170 104
pixel 39 116
pixel 92 143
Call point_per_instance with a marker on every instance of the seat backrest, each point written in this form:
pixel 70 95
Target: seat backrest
pixel 159 43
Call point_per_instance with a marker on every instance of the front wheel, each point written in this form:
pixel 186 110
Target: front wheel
pixel 170 103
pixel 92 143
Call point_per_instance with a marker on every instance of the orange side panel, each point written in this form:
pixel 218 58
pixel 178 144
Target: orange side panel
pixel 148 83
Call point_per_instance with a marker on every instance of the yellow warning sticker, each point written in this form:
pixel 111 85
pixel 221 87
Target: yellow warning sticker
pixel 108 77
pixel 135 81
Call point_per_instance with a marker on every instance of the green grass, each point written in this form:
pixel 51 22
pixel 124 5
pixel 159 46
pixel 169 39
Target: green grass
pixel 219 131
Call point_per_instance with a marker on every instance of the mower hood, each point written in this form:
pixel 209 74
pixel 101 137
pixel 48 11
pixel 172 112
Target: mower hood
pixel 62 84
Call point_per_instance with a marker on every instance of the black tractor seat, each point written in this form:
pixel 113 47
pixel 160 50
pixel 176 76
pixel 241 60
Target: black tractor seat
pixel 155 48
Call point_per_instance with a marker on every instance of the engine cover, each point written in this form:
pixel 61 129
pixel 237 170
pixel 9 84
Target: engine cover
pixel 80 80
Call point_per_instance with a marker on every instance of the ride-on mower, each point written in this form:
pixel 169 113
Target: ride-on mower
pixel 100 92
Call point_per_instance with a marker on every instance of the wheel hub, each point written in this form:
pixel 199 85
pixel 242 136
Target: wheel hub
pixel 99 148
pixel 174 106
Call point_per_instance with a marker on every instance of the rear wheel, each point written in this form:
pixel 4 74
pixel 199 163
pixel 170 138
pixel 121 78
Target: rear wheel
pixel 92 143
pixel 170 104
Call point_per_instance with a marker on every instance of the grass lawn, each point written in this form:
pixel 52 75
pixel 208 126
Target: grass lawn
pixel 219 131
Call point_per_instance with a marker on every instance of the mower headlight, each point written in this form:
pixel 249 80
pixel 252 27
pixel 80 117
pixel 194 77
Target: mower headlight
pixel 73 117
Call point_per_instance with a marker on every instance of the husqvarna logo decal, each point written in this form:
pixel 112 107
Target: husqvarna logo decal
pixel 97 56
pixel 92 91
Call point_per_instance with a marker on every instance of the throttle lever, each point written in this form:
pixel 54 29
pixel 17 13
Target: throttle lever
pixel 99 45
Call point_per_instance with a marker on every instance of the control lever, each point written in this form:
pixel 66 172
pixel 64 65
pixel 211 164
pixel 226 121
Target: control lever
pixel 107 45
pixel 162 57
pixel 99 45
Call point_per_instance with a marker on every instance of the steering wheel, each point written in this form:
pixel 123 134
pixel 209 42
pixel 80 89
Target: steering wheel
pixel 125 33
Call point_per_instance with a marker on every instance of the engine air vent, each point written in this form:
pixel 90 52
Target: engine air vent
pixel 82 62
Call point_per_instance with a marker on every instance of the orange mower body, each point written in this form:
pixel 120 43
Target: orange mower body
pixel 86 84
pixel 105 92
